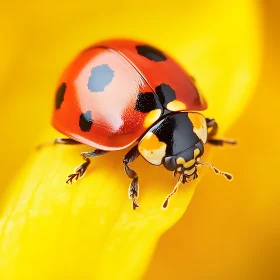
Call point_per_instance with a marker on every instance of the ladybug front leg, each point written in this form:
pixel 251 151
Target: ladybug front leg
pixel 212 131
pixel 133 190
pixel 81 169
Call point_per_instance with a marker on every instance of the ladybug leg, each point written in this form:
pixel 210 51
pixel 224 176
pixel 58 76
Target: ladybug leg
pixel 93 154
pixel 212 131
pixel 66 141
pixel 133 191
pixel 79 172
pixel 212 127
pixel 81 169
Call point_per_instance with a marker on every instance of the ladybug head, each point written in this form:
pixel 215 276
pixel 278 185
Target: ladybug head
pixel 185 164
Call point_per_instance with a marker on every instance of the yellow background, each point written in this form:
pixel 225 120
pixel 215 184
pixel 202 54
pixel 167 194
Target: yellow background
pixel 230 231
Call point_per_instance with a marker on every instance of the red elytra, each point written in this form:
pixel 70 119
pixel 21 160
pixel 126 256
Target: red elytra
pixel 97 94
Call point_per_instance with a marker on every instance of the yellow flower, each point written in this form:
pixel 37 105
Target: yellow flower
pixel 49 230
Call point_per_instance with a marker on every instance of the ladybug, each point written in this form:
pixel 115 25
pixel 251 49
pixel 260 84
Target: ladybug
pixel 117 93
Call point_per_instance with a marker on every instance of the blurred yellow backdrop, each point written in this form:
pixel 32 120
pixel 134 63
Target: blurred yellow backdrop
pixel 230 231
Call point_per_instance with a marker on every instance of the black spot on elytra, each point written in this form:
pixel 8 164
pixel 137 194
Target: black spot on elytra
pixel 165 94
pixel 86 121
pixel 101 76
pixel 59 97
pixel 151 53
pixel 146 102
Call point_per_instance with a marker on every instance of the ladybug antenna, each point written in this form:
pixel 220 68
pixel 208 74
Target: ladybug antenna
pixel 216 170
pixel 165 204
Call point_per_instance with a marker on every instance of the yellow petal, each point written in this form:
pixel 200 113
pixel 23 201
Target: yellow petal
pixel 88 231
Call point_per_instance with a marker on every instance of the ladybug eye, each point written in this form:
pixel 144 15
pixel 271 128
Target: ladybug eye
pixel 169 163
